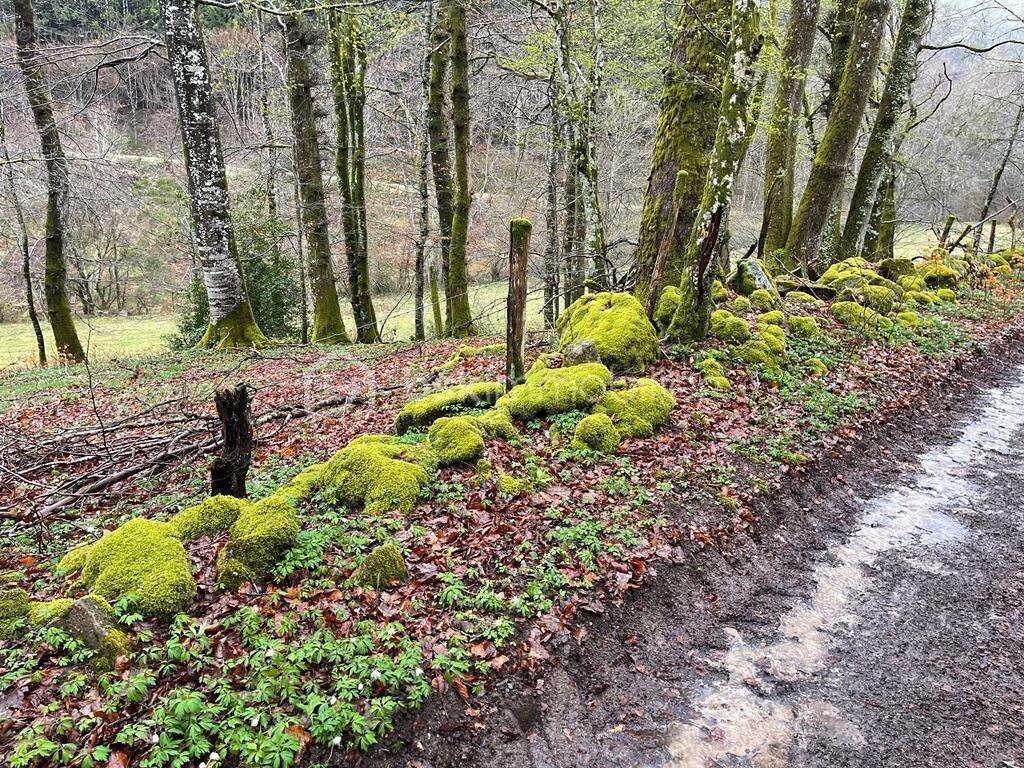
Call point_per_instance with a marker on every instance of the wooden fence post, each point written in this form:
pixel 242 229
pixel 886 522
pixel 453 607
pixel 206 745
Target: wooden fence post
pixel 515 331
pixel 228 471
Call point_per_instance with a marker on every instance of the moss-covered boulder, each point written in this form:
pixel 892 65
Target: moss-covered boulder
pixel 728 327
pixel 803 327
pixel 90 620
pixel 945 295
pixel 937 274
pixel 713 372
pixel 816 366
pixel 895 268
pixel 920 298
pixel 861 318
pixel 510 485
pixel 617 324
pixel 456 440
pixel 719 293
pixel 908 319
pixel 636 411
pixel 207 518
pixel 557 390
pixel 772 317
pixel 757 352
pixel 423 411
pixel 668 303
pixel 381 568
pixel 773 337
pixel 14 604
pixel 379 473
pixel 911 283
pixel 596 432
pixel 143 557
pixel 749 275
pixel 878 297
pixel 740 304
pixel 800 297
pixel 763 299
pixel 496 422
pixel 257 539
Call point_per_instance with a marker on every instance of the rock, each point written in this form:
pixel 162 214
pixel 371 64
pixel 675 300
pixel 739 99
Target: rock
pixel 749 276
pixel 582 351
pixel 90 620
pixel 617 325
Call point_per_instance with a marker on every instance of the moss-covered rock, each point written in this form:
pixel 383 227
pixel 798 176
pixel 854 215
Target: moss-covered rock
pixel 895 268
pixel 749 275
pixel 207 518
pixel 668 303
pixel 258 538
pixel 713 372
pixel 923 298
pixel 496 422
pixel 911 282
pixel 763 299
pixel 423 411
pixel 756 352
pixel 510 485
pixel 816 366
pixel 908 319
pixel 143 557
pixel 718 292
pixel 14 604
pixel 383 567
pixel 945 295
pixel 557 390
pixel 740 304
pixel 456 440
pixel 773 337
pixel 728 327
pixel 90 620
pixel 878 297
pixel 937 274
pixel 617 324
pixel 43 612
pixel 800 297
pixel 803 327
pixel 596 432
pixel 636 411
pixel 864 319
pixel 379 473
pixel 772 317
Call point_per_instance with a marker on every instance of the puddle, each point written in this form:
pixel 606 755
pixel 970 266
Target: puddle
pixel 741 721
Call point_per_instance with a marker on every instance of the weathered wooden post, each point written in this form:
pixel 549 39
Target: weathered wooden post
pixel 946 229
pixel 228 471
pixel 515 331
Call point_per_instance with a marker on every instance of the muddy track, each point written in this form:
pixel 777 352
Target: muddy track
pixel 641 687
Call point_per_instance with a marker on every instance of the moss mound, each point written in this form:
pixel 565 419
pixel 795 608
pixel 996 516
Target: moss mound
pixel 914 298
pixel 43 612
pixel 14 603
pixel 800 297
pixel 772 317
pixel 257 539
pixel 381 568
pixel 911 283
pixel 756 352
pixel 510 485
pixel 496 422
pixel 816 366
pixel 764 299
pixel 207 518
pixel 878 297
pixel 596 432
pixel 557 390
pixel 617 325
pixel 864 319
pixel 945 295
pixel 908 319
pixel 937 274
pixel 740 304
pixel 668 303
pixel 638 410
pixel 727 327
pixel 456 440
pixel 803 327
pixel 895 268
pixel 378 473
pixel 422 411
pixel 143 557
pixel 718 292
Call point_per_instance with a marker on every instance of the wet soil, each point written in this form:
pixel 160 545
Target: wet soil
pixel 875 618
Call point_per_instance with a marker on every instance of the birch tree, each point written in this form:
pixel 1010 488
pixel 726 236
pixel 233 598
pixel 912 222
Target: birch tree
pixel 231 322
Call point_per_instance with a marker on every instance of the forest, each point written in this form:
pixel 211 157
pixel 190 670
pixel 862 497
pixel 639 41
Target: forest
pixel 355 354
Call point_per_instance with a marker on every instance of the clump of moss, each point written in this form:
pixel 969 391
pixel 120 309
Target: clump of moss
pixel 803 327
pixel 379 474
pixel 878 297
pixel 816 366
pixel 763 299
pixel 381 568
pixel 557 390
pixel 43 612
pixel 911 282
pixel 757 352
pixel 772 317
pixel 774 338
pixel 596 432
pixel 618 326
pixel 14 603
pixel 718 292
pixel 207 518
pixel 938 275
pixel 257 539
pixel 863 319
pixel 913 298
pixel 143 557
pixel 727 327
pixel 509 485
pixel 496 422
pixel 895 268
pixel 740 304
pixel 423 411
pixel 713 373
pixel 945 295
pixel 668 303
pixel 908 319
pixel 800 297
pixel 638 410
pixel 456 440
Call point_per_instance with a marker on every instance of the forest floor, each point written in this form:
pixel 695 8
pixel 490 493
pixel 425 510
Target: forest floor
pixel 502 586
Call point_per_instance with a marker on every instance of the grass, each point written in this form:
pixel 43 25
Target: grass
pixel 126 337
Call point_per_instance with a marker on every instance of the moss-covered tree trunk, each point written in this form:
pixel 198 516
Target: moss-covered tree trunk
pixel 683 140
pixel 780 149
pixel 440 140
pixel 348 73
pixel 299 38
pixel 690 322
pixel 58 185
pixel 435 303
pixel 551 249
pixel 264 105
pixel 882 142
pixel 880 237
pixel 572 285
pixel 423 188
pixel 461 324
pixel 231 319
pixel 804 243
pixel 597 248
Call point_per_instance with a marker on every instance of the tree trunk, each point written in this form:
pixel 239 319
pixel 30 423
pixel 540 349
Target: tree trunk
pixel 348 71
pixel 228 471
pixel 424 177
pixel 515 327
pixel 829 165
pixel 231 319
pixel 300 252
pixel 994 187
pixel 328 326
pixel 268 130
pixel 58 185
pixel 440 139
pixel 780 150
pixel 597 251
pixel 435 303
pixel 461 324
pixel 572 285
pixel 551 253
pixel 19 215
pixel 683 140
pixel 690 322
pixel 880 238
pixel 881 146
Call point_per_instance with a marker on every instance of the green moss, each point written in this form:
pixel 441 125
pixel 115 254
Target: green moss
pixel 945 295
pixel 895 268
pixel 803 327
pixel 143 557
pixel 816 366
pixel 908 319
pixel 379 474
pixel 509 485
pixel 763 299
pixel 496 422
pixel 718 382
pixel 638 410
pixel 456 440
pixel 878 297
pixel 709 366
pixel 718 292
pixel 618 326
pixel 864 319
pixel 740 304
pixel 74 560
pixel 913 298
pixel 557 390
pixel 727 327
pixel 263 531
pixel 938 275
pixel 422 411
pixel 911 282
pixel 43 612
pixel 800 297
pixel 381 568
pixel 668 303
pixel 207 518
pixel 14 603
pixel 774 341
pixel 756 352
pixel 772 317
pixel 597 433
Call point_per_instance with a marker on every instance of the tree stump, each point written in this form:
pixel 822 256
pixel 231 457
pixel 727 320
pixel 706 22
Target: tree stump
pixel 515 332
pixel 228 471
